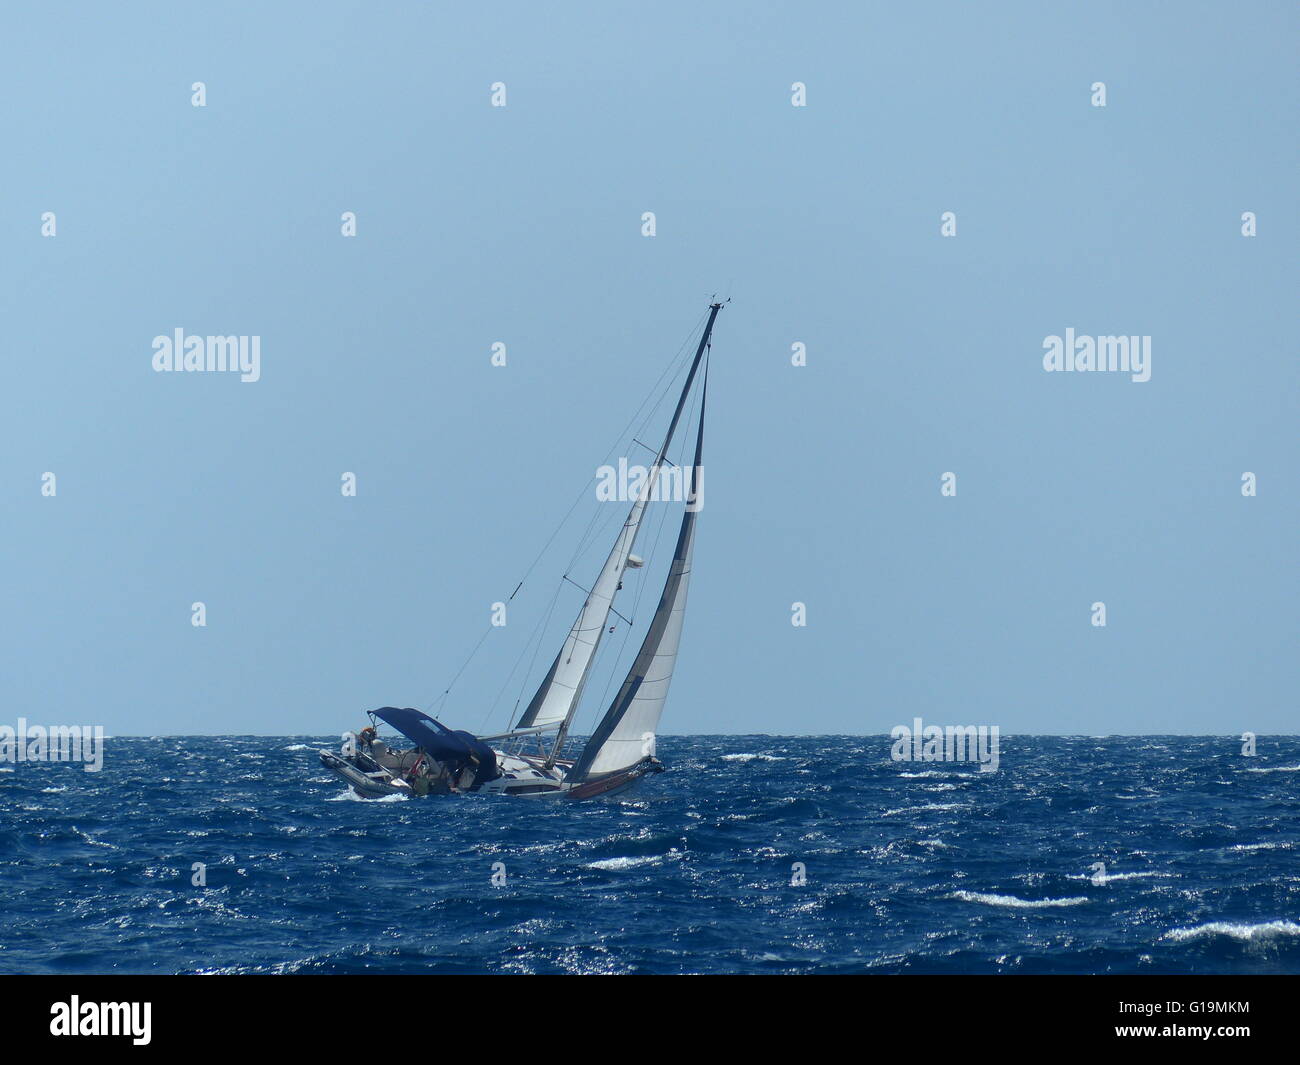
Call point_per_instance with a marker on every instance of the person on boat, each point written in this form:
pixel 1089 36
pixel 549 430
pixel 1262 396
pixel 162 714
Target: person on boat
pixel 435 778
pixel 414 771
pixel 453 769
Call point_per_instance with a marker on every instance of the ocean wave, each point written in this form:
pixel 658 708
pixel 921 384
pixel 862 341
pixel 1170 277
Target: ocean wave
pixel 352 796
pixel 944 773
pixel 809 849
pixel 1246 933
pixel 1106 878
pixel 1016 903
pixel 925 809
pixel 625 863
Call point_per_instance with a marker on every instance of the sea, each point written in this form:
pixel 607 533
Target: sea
pixel 750 854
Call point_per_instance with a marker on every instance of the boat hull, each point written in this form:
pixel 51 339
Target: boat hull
pixel 521 778
pixel 614 784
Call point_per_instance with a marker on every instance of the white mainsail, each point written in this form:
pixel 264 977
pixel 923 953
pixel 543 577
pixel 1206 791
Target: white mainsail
pixel 625 736
pixel 557 697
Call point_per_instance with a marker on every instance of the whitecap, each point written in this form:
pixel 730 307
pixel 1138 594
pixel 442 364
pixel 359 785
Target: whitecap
pixel 936 773
pixel 623 863
pixel 1246 933
pixel 1106 878
pixel 352 796
pixel 927 806
pixel 751 758
pixel 1016 903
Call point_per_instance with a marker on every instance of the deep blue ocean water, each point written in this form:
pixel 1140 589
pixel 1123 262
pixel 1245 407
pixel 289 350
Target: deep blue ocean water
pixel 909 867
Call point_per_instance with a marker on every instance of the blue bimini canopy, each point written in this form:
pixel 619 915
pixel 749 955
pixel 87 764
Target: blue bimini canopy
pixel 457 749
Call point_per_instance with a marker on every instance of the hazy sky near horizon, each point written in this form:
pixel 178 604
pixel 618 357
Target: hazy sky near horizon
pixel 523 225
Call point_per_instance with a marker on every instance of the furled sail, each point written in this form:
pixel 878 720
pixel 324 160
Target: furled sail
pixel 625 735
pixel 558 695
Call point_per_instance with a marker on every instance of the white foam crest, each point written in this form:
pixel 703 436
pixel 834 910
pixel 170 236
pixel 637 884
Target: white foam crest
pixel 926 807
pixel 1246 933
pixel 352 796
pixel 945 773
pixel 624 863
pixel 1106 878
pixel 1016 903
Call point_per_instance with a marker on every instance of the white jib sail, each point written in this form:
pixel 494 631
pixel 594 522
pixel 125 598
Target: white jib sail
pixel 563 684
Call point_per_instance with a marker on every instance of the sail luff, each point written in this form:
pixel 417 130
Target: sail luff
pixel 625 734
pixel 557 697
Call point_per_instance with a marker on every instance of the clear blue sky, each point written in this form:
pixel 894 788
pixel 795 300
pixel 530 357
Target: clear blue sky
pixel 522 225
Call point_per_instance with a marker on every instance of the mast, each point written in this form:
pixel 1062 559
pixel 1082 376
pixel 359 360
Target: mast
pixel 585 636
pixel 620 740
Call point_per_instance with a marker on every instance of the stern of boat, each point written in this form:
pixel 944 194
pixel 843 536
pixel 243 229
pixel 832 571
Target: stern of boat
pixel 614 783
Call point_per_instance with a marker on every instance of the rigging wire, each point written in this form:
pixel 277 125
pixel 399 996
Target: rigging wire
pixel 440 701
pixel 681 360
pixel 534 641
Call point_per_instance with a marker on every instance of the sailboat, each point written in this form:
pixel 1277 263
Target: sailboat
pixel 531 760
